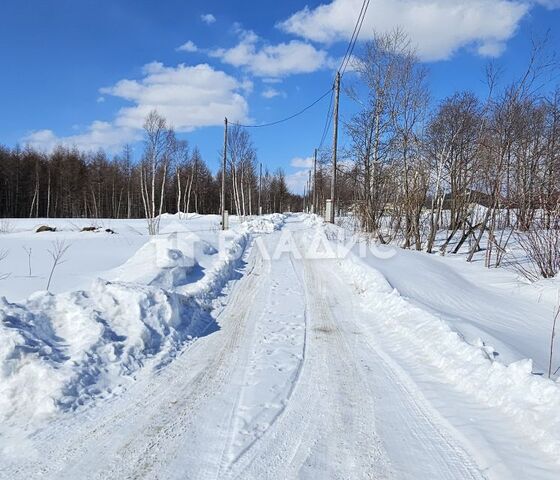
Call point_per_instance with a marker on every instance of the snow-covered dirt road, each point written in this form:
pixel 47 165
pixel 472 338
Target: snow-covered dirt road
pixel 298 381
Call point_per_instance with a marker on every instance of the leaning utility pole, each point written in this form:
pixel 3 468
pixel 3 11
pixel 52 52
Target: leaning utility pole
pixel 335 145
pixel 315 198
pixel 224 177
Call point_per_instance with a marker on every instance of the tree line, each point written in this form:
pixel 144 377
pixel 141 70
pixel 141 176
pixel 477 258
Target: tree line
pixel 168 177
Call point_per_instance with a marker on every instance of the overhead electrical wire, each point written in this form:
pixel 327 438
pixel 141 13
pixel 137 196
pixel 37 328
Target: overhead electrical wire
pixel 270 124
pixel 327 121
pixel 341 70
pixel 353 39
pixel 344 65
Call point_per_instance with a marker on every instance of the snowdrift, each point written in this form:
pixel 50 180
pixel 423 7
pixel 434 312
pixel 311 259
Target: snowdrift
pixel 531 401
pixel 59 351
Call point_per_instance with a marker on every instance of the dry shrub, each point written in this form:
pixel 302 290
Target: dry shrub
pixel 542 248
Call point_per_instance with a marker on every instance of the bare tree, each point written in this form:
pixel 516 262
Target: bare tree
pixel 160 146
pixel 28 251
pixel 242 169
pixel 553 333
pixel 57 252
pixel 3 255
pixel 372 128
pixel 542 248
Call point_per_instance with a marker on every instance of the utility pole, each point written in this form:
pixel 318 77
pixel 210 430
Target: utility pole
pixel 335 145
pixel 310 198
pixel 260 188
pixel 315 198
pixel 224 177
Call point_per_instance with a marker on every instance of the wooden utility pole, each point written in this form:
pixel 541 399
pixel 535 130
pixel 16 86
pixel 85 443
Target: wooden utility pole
pixel 335 145
pixel 224 176
pixel 310 198
pixel 315 198
pixel 260 188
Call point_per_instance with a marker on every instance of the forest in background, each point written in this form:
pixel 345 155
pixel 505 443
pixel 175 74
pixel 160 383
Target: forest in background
pixel 70 183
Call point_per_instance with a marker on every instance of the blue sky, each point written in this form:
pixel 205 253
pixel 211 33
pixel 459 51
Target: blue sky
pixel 85 72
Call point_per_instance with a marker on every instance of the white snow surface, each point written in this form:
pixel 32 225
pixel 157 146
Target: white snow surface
pixel 531 401
pixel 282 349
pixel 58 351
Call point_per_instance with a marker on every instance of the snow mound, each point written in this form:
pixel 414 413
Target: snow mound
pixel 59 351
pixel 266 223
pixel 531 401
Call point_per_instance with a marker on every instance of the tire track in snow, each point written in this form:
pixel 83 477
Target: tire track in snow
pixel 241 457
pixel 428 435
pixel 307 439
pixel 146 457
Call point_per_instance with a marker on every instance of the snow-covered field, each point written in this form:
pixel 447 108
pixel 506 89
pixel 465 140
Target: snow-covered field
pixel 280 350
pixel 59 350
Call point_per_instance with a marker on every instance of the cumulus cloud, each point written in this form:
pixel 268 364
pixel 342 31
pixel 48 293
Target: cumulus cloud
pixel 297 181
pixel 273 61
pixel 189 97
pixel 187 47
pixel 208 18
pixel 299 162
pixel 438 28
pixel 98 135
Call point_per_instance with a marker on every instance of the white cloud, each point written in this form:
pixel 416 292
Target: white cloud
pixel 98 135
pixel 550 4
pixel 273 60
pixel 297 181
pixel 187 47
pixel 208 18
pixel 299 162
pixel 189 97
pixel 247 85
pixel 438 28
pixel 271 93
pixel 490 49
pixel 100 99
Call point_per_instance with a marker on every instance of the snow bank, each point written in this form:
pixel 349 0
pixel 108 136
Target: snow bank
pixel 62 349
pixel 531 401
pixel 266 223
pixel 58 351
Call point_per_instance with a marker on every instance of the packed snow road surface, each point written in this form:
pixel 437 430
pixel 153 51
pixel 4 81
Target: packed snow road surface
pixel 300 378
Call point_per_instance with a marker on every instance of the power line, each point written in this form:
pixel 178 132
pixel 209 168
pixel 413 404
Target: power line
pixel 341 70
pixel 357 31
pixel 354 35
pixel 344 64
pixel 327 121
pixel 270 124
